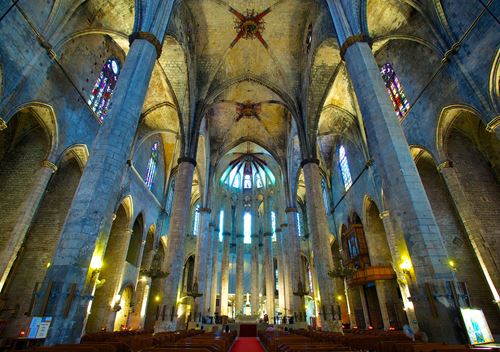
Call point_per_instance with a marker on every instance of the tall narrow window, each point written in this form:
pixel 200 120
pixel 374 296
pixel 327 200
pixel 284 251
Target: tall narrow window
pixel 247 182
pixel 326 197
pixel 300 224
pixel 395 90
pixel 196 221
pixel 152 167
pixel 247 228
pixel 273 225
pixel 344 168
pixel 100 97
pixel 170 197
pixel 221 224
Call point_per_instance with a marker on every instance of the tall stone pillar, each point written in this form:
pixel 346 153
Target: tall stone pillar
pixel 239 299
pixel 201 259
pixel 268 258
pixel 281 271
pixel 295 263
pixel 174 256
pixel 25 216
pixel 224 290
pixel 215 270
pixel 318 227
pixel 282 242
pixel 211 256
pixel 66 281
pixel 404 194
pixel 255 289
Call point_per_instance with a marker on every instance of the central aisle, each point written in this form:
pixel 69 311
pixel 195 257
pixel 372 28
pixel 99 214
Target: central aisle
pixel 247 344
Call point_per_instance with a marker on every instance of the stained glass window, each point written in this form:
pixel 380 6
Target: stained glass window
pixel 326 198
pixel 196 221
pixel 353 246
pixel 100 97
pixel 170 197
pixel 152 167
pixel 395 90
pixel 247 228
pixel 247 182
pixel 221 224
pixel 273 225
pixel 344 168
pixel 299 224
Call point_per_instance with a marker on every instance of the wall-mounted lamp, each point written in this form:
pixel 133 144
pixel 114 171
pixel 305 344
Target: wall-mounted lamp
pixel 452 264
pixel 96 264
pixel 405 266
pixel 339 298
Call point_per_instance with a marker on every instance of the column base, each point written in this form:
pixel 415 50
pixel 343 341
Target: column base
pixel 163 326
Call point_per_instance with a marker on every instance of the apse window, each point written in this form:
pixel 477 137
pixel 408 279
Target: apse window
pixel 273 225
pixel 344 168
pixel 100 97
pixel 395 90
pixel 259 182
pixel 196 221
pixel 152 167
pixel 221 224
pixel 247 228
pixel 300 224
pixel 247 182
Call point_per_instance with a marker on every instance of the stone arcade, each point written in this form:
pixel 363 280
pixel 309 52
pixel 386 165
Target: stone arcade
pixel 311 163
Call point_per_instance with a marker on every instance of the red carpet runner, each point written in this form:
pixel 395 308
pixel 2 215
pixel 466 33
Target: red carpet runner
pixel 247 344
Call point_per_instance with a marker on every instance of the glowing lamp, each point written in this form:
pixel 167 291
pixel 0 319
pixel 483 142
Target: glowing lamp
pixel 96 263
pixel 339 298
pixel 157 298
pixel 405 266
pixel 48 265
pixel 370 327
pixel 22 333
pixel 452 264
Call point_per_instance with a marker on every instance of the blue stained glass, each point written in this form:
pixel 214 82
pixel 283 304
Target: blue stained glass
pixel 247 228
pixel 196 222
pixel 344 168
pixel 100 97
pixel 152 167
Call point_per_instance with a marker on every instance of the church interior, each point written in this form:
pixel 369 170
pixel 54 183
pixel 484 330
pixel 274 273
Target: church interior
pixel 179 173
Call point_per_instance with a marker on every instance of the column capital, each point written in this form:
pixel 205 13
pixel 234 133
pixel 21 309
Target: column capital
pixel 150 37
pixel 186 159
pixel 267 234
pixel 226 234
pixel 291 210
pixel 352 40
pixel 205 210
pixel 445 165
pixel 3 125
pixel 277 230
pixel 284 225
pixel 490 127
pixel 49 165
pixel 239 235
pixel 384 214
pixel 254 235
pixel 309 161
pixel 212 224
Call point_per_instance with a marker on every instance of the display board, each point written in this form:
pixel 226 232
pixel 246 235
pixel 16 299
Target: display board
pixel 39 327
pixel 477 326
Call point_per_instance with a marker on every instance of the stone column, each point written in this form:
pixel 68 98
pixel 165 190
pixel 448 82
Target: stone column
pixel 27 210
pixel 215 271
pixel 281 271
pixel 295 263
pixel 173 263
pixel 100 184
pixel 239 299
pixel 201 259
pixel 268 258
pixel 318 227
pixel 404 194
pixel 255 289
pixel 224 291
pixel 211 246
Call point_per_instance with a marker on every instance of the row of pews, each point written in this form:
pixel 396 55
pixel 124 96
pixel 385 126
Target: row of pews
pixel 370 340
pixel 178 341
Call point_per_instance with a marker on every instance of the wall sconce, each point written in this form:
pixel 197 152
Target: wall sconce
pixel 406 266
pixel 452 264
pixel 96 264
pixel 117 307
pixel 339 298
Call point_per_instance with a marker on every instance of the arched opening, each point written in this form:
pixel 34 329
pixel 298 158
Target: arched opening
pixel 105 303
pixel 122 316
pixel 472 281
pixel 35 255
pixel 153 310
pixel 143 289
pixel 135 244
pixel 24 145
pixel 188 275
pixel 386 285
